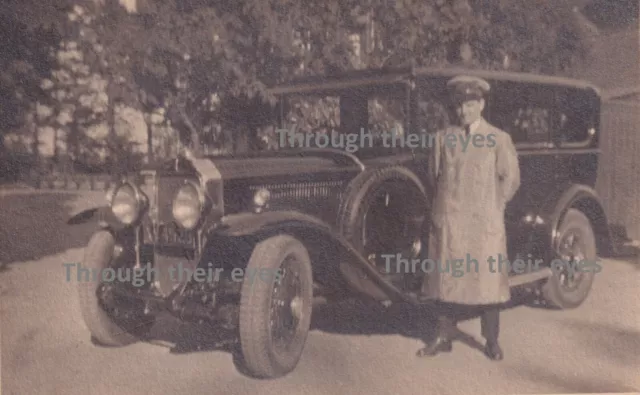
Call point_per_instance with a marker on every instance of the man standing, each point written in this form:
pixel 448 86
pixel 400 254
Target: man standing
pixel 474 182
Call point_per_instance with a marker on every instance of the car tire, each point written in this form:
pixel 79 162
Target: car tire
pixel 262 357
pixel 358 196
pixel 104 329
pixel 554 292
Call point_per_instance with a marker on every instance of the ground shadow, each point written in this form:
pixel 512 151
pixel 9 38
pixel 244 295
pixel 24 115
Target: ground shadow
pixel 347 317
pixel 626 248
pixel 357 317
pixel 628 252
pixel 182 337
pixel 34 225
pixel 187 337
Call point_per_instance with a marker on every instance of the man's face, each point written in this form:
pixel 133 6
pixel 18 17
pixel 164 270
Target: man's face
pixel 469 111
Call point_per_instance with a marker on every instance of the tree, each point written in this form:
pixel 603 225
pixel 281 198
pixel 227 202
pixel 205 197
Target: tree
pixel 30 31
pixel 541 36
pixel 613 14
pixel 210 61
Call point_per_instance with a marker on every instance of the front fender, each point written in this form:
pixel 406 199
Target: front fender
pixel 358 271
pixel 83 216
pixel 102 216
pixel 585 199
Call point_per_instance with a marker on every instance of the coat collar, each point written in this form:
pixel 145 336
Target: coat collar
pixel 477 125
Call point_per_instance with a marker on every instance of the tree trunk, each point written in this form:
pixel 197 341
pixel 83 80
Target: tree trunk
pixel 149 141
pixel 240 141
pixel 111 124
pixel 35 144
pixel 56 152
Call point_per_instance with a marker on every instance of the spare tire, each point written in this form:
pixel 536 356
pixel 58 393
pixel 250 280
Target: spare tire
pixel 383 211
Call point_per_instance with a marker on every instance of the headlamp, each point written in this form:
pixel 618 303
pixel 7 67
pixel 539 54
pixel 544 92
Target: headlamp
pixel 188 206
pixel 261 199
pixel 127 203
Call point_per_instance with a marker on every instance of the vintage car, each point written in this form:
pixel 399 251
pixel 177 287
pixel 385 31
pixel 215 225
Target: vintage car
pixel 280 225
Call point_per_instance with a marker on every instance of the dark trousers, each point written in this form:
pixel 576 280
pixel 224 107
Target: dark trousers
pixel 449 314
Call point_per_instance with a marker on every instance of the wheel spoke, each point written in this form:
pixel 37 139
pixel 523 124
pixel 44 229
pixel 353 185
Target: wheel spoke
pixel 284 321
pixel 571 252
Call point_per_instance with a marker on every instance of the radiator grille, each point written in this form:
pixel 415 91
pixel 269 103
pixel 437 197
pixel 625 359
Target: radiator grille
pixel 302 190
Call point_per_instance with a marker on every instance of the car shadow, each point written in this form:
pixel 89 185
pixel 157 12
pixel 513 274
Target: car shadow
pixel 34 225
pixel 185 337
pixel 626 248
pixel 182 337
pixel 358 317
pixel 347 317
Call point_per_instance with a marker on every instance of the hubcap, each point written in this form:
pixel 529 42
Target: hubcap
pixel 287 305
pixel 296 307
pixel 571 251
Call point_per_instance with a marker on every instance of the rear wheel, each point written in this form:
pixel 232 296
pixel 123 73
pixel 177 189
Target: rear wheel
pixel 566 288
pixel 111 320
pixel 275 315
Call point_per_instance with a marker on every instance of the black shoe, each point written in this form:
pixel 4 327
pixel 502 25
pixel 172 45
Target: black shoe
pixel 440 344
pixel 493 351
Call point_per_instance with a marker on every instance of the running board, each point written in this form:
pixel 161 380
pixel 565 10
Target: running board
pixel 521 279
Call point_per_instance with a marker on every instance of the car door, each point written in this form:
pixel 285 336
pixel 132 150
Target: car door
pixel 526 112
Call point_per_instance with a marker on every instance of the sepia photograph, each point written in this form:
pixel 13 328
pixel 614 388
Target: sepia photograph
pixel 284 197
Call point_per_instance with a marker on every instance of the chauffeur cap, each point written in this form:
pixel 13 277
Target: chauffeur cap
pixel 464 87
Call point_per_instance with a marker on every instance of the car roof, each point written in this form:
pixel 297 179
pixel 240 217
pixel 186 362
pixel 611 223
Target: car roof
pixel 381 76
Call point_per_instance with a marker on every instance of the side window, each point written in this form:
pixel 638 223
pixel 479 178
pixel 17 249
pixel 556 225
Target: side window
pixel 310 113
pixel 308 116
pixel 434 111
pixel 575 116
pixel 432 115
pixel 377 115
pixel 367 113
pixel 387 115
pixel 531 124
pixel 524 111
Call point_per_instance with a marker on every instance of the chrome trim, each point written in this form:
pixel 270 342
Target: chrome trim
pixel 540 145
pixel 580 144
pixel 560 151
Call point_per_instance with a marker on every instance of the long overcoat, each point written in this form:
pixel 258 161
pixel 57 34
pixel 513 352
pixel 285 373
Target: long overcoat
pixel 473 186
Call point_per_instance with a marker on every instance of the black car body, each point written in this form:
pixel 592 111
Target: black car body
pixel 336 213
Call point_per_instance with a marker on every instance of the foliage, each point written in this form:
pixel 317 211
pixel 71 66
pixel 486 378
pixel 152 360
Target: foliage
pixel 609 14
pixel 29 30
pixel 540 36
pixel 208 63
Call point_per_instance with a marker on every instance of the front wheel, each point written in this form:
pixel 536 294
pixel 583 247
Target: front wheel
pixel 112 322
pixel 275 308
pixel 568 289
